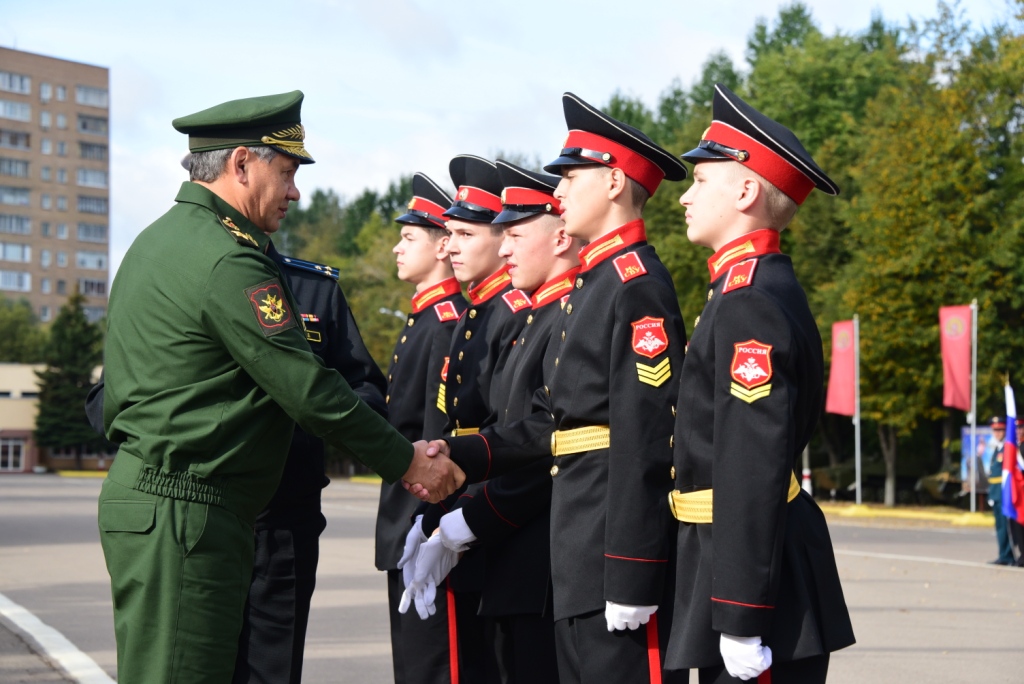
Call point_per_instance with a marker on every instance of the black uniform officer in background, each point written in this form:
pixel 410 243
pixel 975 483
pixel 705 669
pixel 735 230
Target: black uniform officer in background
pixel 419 648
pixel 757 587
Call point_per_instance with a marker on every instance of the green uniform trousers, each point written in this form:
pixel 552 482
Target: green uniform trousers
pixel 179 575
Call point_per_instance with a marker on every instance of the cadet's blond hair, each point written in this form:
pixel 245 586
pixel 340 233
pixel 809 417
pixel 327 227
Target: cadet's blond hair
pixel 206 167
pixel 779 207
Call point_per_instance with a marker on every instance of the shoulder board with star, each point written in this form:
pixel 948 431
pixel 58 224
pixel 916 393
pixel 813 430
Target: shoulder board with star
pixel 312 267
pixel 240 236
pixel 629 266
pixel 517 300
pixel 740 275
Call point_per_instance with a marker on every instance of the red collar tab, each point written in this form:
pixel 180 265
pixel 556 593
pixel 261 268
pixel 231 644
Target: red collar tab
pixel 427 209
pixel 779 172
pixel 490 286
pixel 481 198
pixel 555 288
pixel 432 294
pixel 606 245
pixel 525 197
pixel 601 150
pixel 757 243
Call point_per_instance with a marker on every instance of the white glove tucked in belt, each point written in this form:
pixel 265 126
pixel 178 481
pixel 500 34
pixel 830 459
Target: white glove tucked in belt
pixel 622 616
pixel 745 657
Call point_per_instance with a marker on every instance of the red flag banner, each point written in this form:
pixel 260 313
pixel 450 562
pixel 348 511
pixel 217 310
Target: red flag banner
pixel 955 333
pixel 842 393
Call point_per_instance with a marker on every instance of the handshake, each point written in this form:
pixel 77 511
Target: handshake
pixel 432 476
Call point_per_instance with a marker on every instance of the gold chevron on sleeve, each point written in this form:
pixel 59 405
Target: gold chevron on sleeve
pixel 750 396
pixel 441 399
pixel 655 376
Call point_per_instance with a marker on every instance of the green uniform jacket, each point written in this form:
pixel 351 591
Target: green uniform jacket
pixel 208 369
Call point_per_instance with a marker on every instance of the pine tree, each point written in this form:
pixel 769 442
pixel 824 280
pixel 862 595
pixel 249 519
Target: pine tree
pixel 73 350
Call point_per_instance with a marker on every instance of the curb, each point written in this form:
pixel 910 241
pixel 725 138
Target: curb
pixel 955 518
pixel 82 473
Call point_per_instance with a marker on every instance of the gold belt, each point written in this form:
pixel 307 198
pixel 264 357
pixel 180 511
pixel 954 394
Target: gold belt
pixel 995 480
pixel 565 442
pixel 464 431
pixel 695 507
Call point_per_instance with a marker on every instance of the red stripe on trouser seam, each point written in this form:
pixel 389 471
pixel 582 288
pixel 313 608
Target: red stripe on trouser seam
pixel 654 651
pixel 453 635
pixel 765 677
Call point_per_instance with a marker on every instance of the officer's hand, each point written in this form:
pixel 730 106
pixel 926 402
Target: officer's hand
pixel 436 476
pixel 745 657
pixel 622 616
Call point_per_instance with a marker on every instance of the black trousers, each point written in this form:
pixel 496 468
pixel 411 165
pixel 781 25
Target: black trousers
pixel 805 671
pixel 277 611
pixel 524 647
pixel 475 638
pixel 419 648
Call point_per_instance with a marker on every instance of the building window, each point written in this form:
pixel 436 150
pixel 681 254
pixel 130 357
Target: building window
pixel 15 225
pixel 62 231
pixel 44 311
pixel 15 83
pixel 45 229
pixel 62 287
pixel 92 205
pixel 45 92
pixel 62 259
pixel 94 314
pixel 46 146
pixel 62 93
pixel 92 287
pixel 16 140
pixel 94 125
pixel 12 454
pixel 62 175
pixel 92 232
pixel 11 251
pixel 45 259
pixel 16 196
pixel 45 286
pixel 93 260
pixel 62 203
pixel 92 151
pixel 45 201
pixel 45 120
pixel 62 149
pixel 18 111
pixel 93 97
pixel 45 173
pixel 15 281
pixel 92 178
pixel 62 122
pixel 13 167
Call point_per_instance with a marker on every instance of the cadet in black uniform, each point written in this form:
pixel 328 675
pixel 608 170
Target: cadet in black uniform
pixel 757 585
pixel 510 516
pixel 619 348
pixel 419 649
pixel 483 340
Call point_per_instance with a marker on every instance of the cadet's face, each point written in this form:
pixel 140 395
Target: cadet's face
pixel 473 248
pixel 710 204
pixel 529 249
pixel 272 187
pixel 583 192
pixel 415 254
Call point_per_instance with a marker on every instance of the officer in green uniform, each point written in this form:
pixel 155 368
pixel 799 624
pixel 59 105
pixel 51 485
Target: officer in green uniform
pixel 207 372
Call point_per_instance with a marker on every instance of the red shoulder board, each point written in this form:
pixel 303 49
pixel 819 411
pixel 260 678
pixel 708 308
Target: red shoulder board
pixel 629 266
pixel 649 337
pixel 444 371
pixel 517 300
pixel 446 312
pixel 740 275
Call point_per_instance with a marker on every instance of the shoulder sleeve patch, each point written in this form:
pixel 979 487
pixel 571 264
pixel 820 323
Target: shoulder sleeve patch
pixel 446 312
pixel 444 371
pixel 649 336
pixel 751 371
pixel 240 236
pixel 740 275
pixel 271 307
pixel 629 266
pixel 517 300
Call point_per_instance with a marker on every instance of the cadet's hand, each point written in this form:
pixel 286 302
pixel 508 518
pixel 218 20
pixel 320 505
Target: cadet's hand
pixel 454 531
pixel 745 657
pixel 436 476
pixel 622 616
pixel 415 537
pixel 438 447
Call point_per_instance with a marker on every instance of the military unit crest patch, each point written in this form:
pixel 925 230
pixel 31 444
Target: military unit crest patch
pixel 271 307
pixel 649 337
pixel 446 312
pixel 629 266
pixel 517 300
pixel 740 275
pixel 751 371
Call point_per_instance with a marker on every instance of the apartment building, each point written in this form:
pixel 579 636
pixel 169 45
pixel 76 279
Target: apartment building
pixel 54 182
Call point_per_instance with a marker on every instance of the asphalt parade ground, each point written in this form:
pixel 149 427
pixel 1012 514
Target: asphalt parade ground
pixel 925 606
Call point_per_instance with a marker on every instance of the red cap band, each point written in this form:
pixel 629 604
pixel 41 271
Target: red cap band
pixel 775 169
pixel 427 207
pixel 634 165
pixel 481 198
pixel 530 197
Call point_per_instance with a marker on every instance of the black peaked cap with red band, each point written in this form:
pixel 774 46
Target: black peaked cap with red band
pixel 478 197
pixel 596 138
pixel 525 193
pixel 740 133
pixel 428 203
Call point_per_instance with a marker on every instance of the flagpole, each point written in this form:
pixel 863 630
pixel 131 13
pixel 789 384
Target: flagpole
pixel 856 394
pixel 974 403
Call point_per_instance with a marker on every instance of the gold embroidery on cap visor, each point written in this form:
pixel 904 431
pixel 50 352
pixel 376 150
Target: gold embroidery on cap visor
pixel 290 140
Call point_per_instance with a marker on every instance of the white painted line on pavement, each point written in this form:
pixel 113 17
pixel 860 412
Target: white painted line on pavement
pixel 55 645
pixel 919 559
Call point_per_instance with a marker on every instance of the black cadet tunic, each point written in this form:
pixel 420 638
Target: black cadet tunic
pixel 750 395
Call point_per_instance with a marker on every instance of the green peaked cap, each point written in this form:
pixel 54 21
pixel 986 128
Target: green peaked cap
pixel 271 120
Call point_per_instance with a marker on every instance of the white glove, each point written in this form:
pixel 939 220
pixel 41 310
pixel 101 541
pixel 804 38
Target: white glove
pixel 621 616
pixel 455 533
pixel 745 657
pixel 415 537
pixel 433 563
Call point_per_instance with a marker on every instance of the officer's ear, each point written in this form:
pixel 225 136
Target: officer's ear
pixel 238 165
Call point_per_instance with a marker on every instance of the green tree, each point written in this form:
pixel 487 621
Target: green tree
pixel 23 338
pixel 71 354
pixel 791 29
